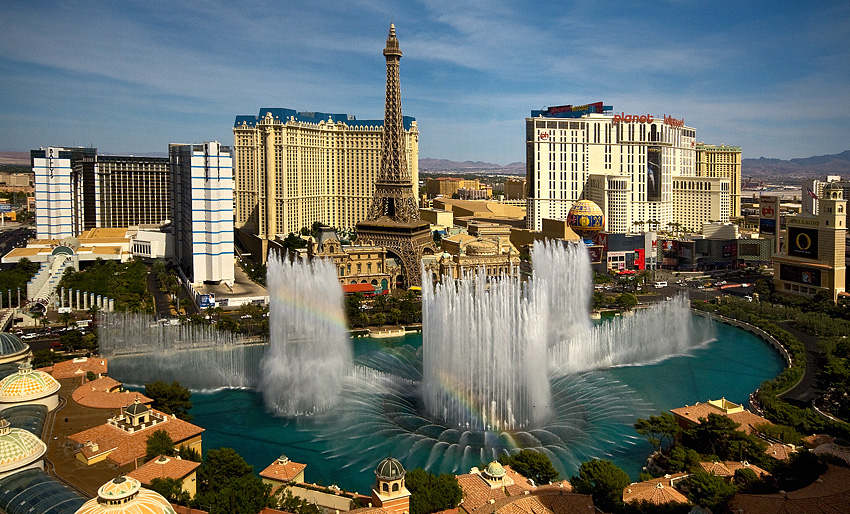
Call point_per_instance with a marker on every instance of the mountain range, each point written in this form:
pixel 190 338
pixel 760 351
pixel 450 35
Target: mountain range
pixel 761 168
pixel 809 167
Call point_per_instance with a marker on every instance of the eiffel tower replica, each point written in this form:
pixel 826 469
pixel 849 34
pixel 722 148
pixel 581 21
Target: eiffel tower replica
pixel 393 220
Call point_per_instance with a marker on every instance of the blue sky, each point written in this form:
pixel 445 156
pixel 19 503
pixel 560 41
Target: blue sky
pixel 131 77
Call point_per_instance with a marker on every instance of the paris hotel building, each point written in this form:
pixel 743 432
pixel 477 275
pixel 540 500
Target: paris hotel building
pixel 633 166
pixel 292 169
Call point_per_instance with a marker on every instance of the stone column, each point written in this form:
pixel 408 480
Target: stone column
pixel 111 305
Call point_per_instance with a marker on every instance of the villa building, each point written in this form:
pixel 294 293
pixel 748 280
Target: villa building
pixel 123 439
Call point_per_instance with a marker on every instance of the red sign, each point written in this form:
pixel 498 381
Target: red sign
pixel 673 122
pixel 767 211
pixel 632 118
pixel 544 135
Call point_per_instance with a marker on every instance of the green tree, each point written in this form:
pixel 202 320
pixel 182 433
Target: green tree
pixel 286 501
pixel 657 429
pixel 431 493
pixel 227 485
pixel 170 398
pixel 626 301
pixel 159 443
pixel 681 458
pixel 379 319
pixel 718 435
pixel 227 323
pixel 532 464
pixel 171 489
pixel 709 491
pixel 603 480
pixel 188 453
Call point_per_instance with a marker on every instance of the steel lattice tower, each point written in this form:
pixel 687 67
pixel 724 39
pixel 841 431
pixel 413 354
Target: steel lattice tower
pixel 393 219
pixel 394 187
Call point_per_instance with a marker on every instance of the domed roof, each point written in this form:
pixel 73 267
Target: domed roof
pixel 481 248
pixel 11 344
pixel 126 495
pixel 495 470
pixel 136 408
pixel 390 469
pixel 27 384
pixel 18 447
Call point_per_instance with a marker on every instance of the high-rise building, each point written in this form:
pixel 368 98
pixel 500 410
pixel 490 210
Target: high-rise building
pixel 133 191
pixel 76 190
pixel 292 169
pixel 565 145
pixel 51 166
pixel 722 162
pixel 202 210
pixel 699 200
pixel 515 189
pixel 814 256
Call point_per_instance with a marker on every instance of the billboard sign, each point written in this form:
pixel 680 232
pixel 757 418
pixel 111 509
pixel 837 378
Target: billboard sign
pixel 206 301
pixel 653 173
pixel 800 275
pixel 595 253
pixel 802 242
pixel 5 208
pixel 768 215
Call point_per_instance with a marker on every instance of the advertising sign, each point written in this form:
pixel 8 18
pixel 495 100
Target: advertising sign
pixel 653 173
pixel 595 253
pixel 803 242
pixel 669 252
pixel 750 249
pixel 640 259
pixel 206 301
pixel 800 275
pixel 5 207
pixel 730 250
pixel 686 252
pixel 768 215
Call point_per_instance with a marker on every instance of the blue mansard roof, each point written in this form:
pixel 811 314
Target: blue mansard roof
pixel 314 117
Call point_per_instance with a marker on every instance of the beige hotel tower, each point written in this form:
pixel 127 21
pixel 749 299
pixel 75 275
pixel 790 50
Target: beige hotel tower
pixel 292 169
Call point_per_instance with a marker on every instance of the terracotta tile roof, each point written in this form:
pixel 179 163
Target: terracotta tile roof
pixel 477 492
pixel 78 367
pixel 101 394
pixel 657 491
pixel 813 441
pixel 370 510
pixel 835 450
pixel 547 502
pixel 125 447
pixel 283 472
pixel 179 509
pixel 830 494
pixel 748 420
pixel 163 467
pixel 693 413
pixel 780 451
pixel 729 467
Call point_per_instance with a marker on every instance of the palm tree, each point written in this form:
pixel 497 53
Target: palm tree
pixel 639 224
pixel 66 318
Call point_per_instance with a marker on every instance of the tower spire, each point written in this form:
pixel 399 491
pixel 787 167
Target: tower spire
pixel 394 188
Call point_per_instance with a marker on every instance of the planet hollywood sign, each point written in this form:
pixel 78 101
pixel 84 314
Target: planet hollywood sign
pixel 647 118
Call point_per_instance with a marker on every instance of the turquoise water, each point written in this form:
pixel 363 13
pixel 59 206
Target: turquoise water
pixel 345 447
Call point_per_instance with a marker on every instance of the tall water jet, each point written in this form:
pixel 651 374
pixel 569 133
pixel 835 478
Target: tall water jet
pixel 563 273
pixel 484 354
pixel 662 330
pixel 141 350
pixel 309 351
